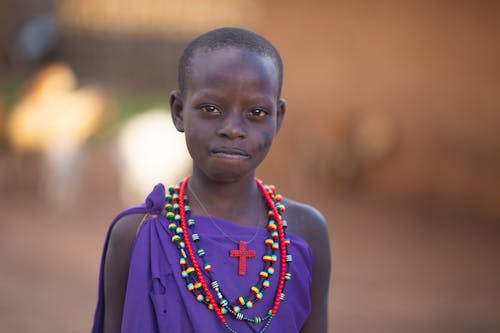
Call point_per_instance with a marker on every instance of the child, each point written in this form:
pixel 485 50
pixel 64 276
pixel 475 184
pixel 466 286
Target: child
pixel 219 251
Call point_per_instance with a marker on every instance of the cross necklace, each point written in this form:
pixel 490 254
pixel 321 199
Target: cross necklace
pixel 242 253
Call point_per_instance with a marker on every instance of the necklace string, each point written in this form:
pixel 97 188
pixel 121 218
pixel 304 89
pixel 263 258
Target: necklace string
pixel 216 225
pixel 177 214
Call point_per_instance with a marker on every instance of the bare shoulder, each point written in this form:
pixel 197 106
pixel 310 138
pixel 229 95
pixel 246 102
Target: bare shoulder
pixel 125 229
pixel 116 266
pixel 120 244
pixel 305 221
pixel 121 240
pixel 308 223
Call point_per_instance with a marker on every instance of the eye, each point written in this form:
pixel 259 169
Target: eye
pixel 258 113
pixel 209 108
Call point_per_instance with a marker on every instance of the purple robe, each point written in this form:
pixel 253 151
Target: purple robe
pixel 157 299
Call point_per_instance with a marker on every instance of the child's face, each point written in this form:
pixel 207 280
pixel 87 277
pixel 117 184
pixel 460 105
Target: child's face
pixel 230 112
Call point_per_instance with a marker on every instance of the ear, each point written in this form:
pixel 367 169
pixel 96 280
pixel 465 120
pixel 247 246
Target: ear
pixel 176 108
pixel 280 113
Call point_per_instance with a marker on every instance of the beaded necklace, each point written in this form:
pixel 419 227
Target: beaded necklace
pixel 178 214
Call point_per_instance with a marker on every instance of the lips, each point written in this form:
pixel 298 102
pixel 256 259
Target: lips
pixel 231 153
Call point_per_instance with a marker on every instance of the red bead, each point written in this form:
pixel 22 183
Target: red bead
pixel 276 231
pixel 192 256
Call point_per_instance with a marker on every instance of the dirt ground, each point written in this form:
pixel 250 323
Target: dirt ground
pixel 394 270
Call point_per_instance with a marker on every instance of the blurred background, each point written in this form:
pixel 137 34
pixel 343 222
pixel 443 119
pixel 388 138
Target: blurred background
pixel 392 131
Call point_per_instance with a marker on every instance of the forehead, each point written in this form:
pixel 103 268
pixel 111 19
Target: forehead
pixel 233 66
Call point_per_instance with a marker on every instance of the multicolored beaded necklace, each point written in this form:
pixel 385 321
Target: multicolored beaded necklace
pixel 182 231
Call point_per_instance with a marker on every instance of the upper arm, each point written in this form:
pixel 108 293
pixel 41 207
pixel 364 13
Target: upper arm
pixel 116 266
pixel 312 227
pixel 320 246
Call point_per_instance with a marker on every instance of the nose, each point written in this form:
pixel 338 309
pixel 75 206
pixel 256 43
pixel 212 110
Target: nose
pixel 232 126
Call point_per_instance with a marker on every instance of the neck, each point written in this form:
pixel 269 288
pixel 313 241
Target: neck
pixel 239 201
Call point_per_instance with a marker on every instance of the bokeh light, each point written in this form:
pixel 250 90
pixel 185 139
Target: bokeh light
pixel 391 131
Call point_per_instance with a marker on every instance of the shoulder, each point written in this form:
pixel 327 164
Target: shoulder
pixel 305 221
pixel 121 240
pixel 309 224
pixel 124 230
pixel 116 267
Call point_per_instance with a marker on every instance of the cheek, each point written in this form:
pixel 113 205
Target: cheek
pixel 192 141
pixel 265 141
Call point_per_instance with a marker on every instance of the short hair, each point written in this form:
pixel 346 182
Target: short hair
pixel 227 37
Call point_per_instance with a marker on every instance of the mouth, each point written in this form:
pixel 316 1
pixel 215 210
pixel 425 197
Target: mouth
pixel 230 153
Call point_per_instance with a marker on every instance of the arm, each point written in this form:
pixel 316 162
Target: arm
pixel 116 270
pixel 320 245
pixel 309 224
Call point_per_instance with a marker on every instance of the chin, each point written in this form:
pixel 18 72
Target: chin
pixel 229 175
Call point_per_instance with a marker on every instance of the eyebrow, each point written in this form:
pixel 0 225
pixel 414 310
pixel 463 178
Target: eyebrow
pixel 261 100
pixel 207 94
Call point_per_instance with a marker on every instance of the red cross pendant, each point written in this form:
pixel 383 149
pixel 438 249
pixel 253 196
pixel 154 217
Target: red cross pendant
pixel 242 254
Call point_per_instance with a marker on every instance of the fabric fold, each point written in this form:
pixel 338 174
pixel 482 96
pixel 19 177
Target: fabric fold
pixel 158 300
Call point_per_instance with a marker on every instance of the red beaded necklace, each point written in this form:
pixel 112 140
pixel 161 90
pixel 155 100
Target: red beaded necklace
pixel 177 211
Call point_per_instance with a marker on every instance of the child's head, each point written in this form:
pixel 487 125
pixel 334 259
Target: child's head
pixel 228 103
pixel 227 38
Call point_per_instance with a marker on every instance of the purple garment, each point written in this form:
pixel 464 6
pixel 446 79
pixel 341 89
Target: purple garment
pixel 157 299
